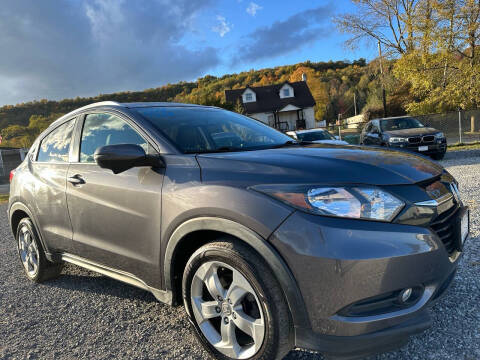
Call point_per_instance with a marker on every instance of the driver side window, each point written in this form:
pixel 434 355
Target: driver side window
pixel 106 129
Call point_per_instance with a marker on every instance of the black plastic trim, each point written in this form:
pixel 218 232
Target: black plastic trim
pixel 271 256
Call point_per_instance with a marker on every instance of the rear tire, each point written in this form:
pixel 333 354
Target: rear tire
pixel 236 305
pixel 32 256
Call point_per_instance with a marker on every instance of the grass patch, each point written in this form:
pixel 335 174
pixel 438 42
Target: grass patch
pixel 3 198
pixel 462 146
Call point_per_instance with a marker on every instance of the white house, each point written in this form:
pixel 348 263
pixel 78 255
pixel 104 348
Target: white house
pixel 286 106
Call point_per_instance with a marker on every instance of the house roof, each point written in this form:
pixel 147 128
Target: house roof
pixel 268 97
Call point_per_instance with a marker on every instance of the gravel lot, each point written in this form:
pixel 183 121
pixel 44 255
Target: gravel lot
pixel 83 315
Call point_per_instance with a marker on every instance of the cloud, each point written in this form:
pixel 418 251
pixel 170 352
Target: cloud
pixel 253 8
pixel 54 49
pixel 286 36
pixel 223 26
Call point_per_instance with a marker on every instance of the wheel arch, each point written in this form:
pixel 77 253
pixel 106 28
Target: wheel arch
pixel 17 212
pixel 184 236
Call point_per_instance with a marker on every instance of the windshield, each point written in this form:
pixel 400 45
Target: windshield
pixel 200 130
pixel 315 136
pixel 400 124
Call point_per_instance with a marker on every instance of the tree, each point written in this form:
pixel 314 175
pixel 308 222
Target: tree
pixel 390 22
pixel 445 70
pixel 239 108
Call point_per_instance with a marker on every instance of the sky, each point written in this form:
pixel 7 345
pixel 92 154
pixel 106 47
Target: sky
pixel 55 49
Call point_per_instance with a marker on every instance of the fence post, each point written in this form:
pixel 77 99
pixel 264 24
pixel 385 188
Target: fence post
pixel 460 124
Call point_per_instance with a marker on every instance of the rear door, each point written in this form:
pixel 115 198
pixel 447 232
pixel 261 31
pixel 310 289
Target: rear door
pixel 115 218
pixel 49 168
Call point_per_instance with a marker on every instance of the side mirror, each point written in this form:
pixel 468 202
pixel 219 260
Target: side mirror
pixel 122 157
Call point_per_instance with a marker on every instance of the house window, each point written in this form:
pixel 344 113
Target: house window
pixel 286 92
pixel 248 97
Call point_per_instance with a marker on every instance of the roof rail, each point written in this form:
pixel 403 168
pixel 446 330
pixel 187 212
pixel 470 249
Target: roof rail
pixel 99 104
pixel 83 108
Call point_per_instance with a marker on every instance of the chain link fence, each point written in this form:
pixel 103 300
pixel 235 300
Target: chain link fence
pixel 458 127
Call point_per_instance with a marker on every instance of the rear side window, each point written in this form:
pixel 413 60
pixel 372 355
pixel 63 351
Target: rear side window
pixel 55 147
pixel 106 129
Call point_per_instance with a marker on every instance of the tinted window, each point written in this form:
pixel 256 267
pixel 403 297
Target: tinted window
pixel 196 130
pixel 106 129
pixel 315 136
pixel 56 145
pixel 400 124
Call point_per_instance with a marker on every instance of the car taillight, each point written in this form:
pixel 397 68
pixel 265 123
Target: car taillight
pixel 12 174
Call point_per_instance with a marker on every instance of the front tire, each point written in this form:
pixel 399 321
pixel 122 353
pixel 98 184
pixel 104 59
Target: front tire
pixel 32 256
pixel 237 308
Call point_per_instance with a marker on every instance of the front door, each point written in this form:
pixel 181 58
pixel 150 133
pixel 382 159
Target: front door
pixel 115 218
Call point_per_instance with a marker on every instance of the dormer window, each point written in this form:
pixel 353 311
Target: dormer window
pixel 249 96
pixel 286 91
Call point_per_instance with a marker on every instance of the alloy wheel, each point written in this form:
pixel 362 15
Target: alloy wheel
pixel 28 250
pixel 227 310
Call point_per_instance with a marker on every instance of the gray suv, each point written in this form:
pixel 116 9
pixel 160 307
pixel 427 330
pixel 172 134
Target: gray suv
pixel 269 243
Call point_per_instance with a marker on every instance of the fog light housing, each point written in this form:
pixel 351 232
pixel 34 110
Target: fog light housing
pixel 405 295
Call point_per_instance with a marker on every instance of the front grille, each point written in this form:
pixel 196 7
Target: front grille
pixel 444 226
pixel 421 140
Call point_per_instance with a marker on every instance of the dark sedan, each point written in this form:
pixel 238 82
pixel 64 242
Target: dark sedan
pixel 269 243
pixel 406 133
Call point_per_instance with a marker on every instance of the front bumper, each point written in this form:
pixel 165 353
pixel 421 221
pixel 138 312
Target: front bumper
pixel 432 148
pixel 339 262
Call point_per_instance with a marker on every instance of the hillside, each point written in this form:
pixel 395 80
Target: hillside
pixel 332 84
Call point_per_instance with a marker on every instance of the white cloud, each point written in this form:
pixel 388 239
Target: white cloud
pixel 253 8
pixel 223 26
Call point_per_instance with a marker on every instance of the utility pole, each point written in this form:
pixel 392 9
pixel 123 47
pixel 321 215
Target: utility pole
pixel 339 127
pixel 355 102
pixel 384 95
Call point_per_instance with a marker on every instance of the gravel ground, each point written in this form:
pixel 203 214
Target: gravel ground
pixel 83 315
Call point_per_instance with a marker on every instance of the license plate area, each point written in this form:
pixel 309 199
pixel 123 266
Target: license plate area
pixel 423 148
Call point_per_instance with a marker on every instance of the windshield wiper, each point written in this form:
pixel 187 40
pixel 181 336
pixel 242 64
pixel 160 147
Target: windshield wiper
pixel 291 143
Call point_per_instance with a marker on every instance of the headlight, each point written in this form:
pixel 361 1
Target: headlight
pixel 439 135
pixel 397 139
pixel 357 202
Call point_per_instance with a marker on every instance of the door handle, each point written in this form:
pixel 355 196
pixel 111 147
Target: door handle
pixel 76 180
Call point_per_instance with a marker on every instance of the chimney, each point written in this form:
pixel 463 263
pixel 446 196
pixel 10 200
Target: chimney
pixel 304 77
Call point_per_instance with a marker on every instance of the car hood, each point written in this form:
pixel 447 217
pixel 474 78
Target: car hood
pixel 317 163
pixel 334 142
pixel 412 132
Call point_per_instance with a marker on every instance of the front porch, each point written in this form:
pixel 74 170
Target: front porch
pixel 289 118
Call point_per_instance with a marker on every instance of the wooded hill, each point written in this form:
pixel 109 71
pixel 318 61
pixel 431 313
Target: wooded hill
pixel 333 85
